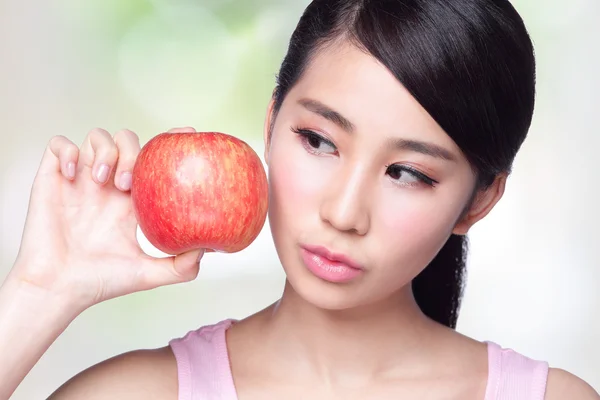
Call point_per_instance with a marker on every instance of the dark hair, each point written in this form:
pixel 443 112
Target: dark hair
pixel 469 63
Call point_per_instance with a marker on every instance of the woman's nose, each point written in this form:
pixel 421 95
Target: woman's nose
pixel 345 204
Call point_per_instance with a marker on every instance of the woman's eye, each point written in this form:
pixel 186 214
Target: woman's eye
pixel 315 143
pixel 406 176
pixel 401 174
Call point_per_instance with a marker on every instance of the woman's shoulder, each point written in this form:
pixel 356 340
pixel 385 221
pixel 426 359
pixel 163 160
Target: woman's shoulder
pixel 512 372
pixel 140 374
pixel 564 385
pixel 152 373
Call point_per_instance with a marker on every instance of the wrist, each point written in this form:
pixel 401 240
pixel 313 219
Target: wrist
pixel 31 318
pixel 22 299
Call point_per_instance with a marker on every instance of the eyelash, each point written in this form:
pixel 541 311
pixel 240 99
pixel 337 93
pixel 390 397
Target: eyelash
pixel 307 134
pixel 416 174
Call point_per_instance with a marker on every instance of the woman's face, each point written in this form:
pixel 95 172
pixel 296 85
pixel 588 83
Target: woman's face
pixel 358 168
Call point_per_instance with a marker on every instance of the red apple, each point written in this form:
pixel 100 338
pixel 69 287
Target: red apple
pixel 199 190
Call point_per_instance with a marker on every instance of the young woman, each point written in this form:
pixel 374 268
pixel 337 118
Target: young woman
pixel 391 131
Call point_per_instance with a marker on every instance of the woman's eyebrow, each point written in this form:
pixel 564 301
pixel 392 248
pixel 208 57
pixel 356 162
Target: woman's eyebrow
pixel 337 118
pixel 426 148
pixel 328 113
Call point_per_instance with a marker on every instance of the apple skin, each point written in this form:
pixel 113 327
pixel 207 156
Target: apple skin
pixel 201 190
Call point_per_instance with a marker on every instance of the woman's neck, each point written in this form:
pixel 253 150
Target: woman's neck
pixel 391 336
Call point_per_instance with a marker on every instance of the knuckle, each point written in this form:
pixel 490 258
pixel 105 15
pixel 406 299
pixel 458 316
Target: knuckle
pixel 56 140
pixel 111 152
pixel 125 133
pixel 70 146
pixel 62 145
pixel 126 137
pixel 107 153
pixel 98 132
pixel 103 144
pixel 126 164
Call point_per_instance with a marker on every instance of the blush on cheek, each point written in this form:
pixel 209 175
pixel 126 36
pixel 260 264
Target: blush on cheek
pixel 299 177
pixel 406 226
pixel 414 225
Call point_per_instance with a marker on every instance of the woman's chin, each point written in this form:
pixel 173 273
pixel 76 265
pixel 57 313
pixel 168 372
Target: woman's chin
pixel 322 294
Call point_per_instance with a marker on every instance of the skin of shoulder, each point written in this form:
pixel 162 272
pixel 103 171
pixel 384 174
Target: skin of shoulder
pixel 564 385
pixel 140 374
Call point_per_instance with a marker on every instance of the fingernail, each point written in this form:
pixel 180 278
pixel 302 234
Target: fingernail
pixel 125 181
pixel 102 175
pixel 71 169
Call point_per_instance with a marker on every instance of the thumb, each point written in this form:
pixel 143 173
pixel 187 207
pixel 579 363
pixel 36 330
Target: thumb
pixel 170 270
pixel 187 265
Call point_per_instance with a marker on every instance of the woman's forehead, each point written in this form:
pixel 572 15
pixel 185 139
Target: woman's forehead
pixel 366 93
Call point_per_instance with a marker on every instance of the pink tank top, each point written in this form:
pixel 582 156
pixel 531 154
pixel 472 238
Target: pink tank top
pixel 205 374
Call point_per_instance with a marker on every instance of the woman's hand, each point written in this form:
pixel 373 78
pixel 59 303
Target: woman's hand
pixel 79 241
pixel 78 248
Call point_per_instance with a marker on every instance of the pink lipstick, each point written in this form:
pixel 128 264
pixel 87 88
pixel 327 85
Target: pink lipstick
pixel 329 266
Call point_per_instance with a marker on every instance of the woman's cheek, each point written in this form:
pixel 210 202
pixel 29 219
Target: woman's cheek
pixel 299 177
pixel 414 223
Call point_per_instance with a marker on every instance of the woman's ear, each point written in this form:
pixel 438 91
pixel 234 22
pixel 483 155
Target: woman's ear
pixel 269 119
pixel 484 202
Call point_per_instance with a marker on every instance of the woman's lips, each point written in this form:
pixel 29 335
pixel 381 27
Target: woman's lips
pixel 330 266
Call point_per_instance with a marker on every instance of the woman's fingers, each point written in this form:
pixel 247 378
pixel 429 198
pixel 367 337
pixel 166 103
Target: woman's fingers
pixel 187 129
pixel 61 155
pixel 128 145
pixel 171 270
pixel 99 153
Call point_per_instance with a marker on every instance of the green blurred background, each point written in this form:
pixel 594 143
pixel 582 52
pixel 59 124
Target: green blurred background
pixel 149 65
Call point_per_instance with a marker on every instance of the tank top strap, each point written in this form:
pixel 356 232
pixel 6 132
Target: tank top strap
pixel 513 376
pixel 203 367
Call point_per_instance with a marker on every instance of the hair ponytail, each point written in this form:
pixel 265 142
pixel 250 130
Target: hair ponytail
pixel 438 289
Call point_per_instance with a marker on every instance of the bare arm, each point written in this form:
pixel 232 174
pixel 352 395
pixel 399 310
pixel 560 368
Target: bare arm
pixel 78 248
pixel 564 385
pixel 30 322
pixel 141 374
